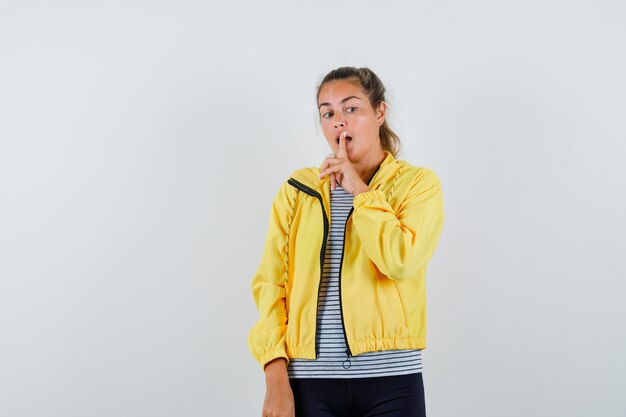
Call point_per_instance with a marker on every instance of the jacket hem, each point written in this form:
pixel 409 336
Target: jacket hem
pixel 364 346
pixel 392 343
pixel 304 352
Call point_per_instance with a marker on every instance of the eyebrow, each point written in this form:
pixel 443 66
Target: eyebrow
pixel 342 101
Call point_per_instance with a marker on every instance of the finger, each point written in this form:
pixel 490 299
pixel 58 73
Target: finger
pixel 342 153
pixel 328 162
pixel 332 181
pixel 322 170
pixel 332 169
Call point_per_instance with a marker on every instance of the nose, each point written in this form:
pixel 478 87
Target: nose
pixel 339 122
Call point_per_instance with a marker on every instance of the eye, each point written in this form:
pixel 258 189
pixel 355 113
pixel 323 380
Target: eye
pixel 331 113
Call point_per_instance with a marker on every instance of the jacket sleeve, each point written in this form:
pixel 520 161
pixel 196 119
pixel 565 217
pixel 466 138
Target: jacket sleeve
pixel 266 339
pixel 401 243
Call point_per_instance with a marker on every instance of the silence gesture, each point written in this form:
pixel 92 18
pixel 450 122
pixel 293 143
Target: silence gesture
pixel 340 169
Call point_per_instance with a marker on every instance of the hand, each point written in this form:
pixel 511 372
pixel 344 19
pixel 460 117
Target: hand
pixel 342 169
pixel 279 400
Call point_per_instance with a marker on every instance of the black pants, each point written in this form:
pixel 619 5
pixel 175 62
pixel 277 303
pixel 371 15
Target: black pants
pixel 388 396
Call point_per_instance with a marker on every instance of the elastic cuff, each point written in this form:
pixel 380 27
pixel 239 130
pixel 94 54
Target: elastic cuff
pixel 271 355
pixel 371 195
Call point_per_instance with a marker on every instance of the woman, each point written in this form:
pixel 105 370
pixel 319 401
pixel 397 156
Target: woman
pixel 341 284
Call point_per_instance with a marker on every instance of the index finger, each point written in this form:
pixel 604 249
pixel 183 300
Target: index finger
pixel 342 153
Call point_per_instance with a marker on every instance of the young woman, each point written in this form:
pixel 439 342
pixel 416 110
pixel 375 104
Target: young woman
pixel 341 284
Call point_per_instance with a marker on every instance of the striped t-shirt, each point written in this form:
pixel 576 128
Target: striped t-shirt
pixel 332 358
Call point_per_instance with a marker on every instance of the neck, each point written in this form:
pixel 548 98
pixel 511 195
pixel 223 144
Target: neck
pixel 366 166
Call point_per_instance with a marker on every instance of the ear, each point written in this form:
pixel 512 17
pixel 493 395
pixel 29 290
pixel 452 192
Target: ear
pixel 381 112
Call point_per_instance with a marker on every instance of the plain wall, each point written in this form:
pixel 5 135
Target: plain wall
pixel 141 144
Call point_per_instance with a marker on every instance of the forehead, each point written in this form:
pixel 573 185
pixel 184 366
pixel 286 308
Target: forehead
pixel 334 91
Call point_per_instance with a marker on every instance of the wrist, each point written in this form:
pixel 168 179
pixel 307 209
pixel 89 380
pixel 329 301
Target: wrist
pixel 360 190
pixel 276 370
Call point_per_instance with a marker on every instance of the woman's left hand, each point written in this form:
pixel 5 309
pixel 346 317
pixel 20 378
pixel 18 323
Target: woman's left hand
pixel 341 168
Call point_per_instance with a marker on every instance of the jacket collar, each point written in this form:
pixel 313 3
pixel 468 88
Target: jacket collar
pixel 310 176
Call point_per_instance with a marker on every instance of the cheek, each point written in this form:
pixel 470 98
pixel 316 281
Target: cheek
pixel 329 134
pixel 367 126
pixel 361 122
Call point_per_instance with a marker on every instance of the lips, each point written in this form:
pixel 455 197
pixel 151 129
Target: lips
pixel 348 139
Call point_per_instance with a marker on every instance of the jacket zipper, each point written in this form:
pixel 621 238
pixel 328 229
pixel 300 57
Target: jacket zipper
pixel 343 243
pixel 314 193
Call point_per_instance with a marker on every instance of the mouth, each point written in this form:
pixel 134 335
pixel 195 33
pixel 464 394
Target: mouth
pixel 348 139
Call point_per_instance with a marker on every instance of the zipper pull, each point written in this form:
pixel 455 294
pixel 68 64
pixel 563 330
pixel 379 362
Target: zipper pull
pixel 347 360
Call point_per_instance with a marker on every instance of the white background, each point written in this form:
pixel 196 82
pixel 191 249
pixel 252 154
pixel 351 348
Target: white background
pixel 141 144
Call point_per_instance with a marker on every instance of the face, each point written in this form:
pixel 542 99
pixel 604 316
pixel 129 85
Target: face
pixel 343 106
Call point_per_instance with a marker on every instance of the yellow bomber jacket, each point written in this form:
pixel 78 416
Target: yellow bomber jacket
pixel 390 235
